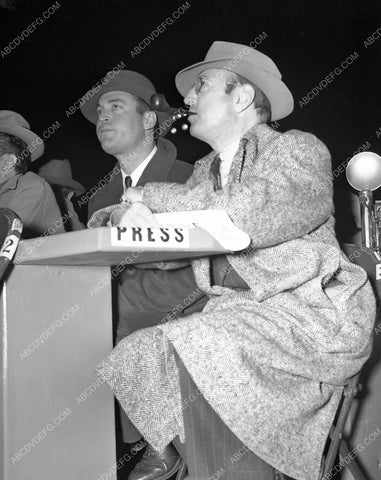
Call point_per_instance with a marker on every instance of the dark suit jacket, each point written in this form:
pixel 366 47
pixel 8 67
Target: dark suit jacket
pixel 146 296
pixel 163 167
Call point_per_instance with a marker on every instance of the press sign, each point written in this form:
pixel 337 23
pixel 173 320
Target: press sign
pixel 150 236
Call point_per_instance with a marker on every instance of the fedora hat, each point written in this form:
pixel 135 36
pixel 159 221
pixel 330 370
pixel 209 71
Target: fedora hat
pixel 15 124
pixel 123 81
pixel 58 172
pixel 250 64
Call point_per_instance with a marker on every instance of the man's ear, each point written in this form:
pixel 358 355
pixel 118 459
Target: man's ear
pixel 149 120
pixel 245 95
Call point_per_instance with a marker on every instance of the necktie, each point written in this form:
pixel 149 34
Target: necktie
pixel 215 172
pixel 127 184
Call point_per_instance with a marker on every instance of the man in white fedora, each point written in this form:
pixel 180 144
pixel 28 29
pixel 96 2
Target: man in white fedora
pixel 21 190
pixel 251 383
pixel 58 174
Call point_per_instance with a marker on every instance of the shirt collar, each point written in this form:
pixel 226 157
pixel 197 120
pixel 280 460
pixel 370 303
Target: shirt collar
pixel 228 153
pixel 137 173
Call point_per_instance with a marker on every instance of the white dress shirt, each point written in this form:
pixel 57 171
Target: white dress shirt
pixel 137 173
pixel 227 157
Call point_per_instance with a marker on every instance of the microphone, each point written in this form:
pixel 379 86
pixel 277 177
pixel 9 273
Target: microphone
pixel 158 102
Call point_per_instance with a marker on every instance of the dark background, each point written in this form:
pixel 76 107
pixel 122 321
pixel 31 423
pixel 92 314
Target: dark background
pixel 83 39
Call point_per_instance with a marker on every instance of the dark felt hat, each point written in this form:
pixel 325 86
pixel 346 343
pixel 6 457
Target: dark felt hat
pixel 122 81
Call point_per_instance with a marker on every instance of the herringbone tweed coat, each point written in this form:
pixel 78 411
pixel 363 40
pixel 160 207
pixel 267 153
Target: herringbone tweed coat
pixel 272 360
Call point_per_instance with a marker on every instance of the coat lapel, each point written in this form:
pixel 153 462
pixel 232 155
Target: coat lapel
pixel 108 194
pixel 161 164
pixel 158 170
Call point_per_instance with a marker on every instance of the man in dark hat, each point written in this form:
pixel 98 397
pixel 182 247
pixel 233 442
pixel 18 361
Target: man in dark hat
pixel 127 128
pixel 252 382
pixel 22 191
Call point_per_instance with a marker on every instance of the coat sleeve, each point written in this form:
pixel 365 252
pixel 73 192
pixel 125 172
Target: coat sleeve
pixel 289 196
pixel 36 205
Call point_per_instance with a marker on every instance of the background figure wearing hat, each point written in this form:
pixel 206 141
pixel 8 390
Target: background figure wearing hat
pixel 58 174
pixel 257 375
pixel 24 192
pixel 126 127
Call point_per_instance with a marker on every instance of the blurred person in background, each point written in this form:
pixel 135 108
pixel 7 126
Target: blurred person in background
pixel 58 174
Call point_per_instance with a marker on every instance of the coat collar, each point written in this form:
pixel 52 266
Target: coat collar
pixel 11 183
pixel 157 170
pixel 251 145
pixel 161 163
pixel 255 139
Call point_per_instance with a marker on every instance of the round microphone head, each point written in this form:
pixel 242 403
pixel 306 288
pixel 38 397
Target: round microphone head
pixel 364 171
pixel 158 102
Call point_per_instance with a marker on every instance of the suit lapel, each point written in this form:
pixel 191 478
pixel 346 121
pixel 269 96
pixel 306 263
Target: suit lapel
pixel 114 189
pixel 160 165
pixel 157 170
pixel 108 194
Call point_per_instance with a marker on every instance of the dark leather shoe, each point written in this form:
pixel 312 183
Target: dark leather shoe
pixel 153 466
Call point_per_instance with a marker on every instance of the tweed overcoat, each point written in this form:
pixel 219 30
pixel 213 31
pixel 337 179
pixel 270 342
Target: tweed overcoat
pixel 272 360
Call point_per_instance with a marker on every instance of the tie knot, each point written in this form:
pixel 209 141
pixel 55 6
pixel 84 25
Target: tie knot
pixel 127 184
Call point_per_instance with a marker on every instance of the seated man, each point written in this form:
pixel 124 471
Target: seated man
pixel 24 192
pixel 126 127
pixel 252 382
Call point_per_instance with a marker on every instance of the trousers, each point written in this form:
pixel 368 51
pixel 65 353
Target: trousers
pixel 145 298
pixel 211 450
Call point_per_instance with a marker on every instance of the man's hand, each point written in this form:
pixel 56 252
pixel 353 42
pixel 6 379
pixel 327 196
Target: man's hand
pixel 134 194
pixel 138 215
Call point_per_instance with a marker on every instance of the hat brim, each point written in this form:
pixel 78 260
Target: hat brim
pixel 89 107
pixel 76 186
pixel 35 144
pixel 280 97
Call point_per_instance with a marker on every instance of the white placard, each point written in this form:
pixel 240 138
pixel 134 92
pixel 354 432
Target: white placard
pixel 9 247
pixel 216 222
pixel 159 237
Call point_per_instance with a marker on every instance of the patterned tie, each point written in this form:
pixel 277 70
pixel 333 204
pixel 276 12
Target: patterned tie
pixel 215 174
